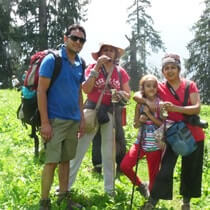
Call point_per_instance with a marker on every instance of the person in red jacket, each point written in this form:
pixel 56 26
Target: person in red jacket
pixel 191 170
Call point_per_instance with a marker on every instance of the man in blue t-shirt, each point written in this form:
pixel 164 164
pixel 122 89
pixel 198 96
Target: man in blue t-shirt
pixel 61 112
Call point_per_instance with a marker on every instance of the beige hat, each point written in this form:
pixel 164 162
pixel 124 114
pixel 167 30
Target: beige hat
pixel 120 51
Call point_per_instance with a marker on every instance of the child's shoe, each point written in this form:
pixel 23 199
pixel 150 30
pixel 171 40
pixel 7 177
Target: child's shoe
pixel 147 206
pixel 144 190
pixel 185 206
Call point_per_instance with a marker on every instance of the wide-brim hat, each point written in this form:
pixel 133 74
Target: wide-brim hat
pixel 120 51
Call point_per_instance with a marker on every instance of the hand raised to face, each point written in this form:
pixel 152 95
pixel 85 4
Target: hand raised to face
pixel 102 60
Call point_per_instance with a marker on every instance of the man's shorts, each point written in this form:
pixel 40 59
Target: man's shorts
pixel 63 144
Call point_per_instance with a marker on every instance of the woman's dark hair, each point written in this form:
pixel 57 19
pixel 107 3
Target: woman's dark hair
pixel 74 27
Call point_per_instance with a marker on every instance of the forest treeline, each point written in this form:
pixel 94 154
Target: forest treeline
pixel 27 26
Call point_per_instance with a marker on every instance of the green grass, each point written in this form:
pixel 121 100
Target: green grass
pixel 20 172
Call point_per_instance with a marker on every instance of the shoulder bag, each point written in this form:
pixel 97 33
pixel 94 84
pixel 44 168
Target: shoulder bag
pixel 178 135
pixel 90 115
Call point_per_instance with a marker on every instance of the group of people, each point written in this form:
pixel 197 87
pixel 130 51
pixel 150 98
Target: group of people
pixel 62 122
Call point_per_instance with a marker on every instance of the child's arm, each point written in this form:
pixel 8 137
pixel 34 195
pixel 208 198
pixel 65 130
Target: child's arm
pixel 136 123
pixel 138 97
pixel 155 120
pixel 139 118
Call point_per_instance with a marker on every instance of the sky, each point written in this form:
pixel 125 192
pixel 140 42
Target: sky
pixel 172 18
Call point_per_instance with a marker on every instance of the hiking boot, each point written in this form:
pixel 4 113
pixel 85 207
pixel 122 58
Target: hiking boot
pixel 97 169
pixel 147 206
pixel 118 170
pixel 185 206
pixel 66 198
pixel 143 189
pixel 44 204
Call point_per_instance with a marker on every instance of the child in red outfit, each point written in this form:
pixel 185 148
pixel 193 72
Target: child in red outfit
pixel 147 121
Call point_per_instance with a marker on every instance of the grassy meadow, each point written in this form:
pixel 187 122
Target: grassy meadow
pixel 20 171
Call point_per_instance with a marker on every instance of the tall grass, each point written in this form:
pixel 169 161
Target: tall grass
pixel 20 172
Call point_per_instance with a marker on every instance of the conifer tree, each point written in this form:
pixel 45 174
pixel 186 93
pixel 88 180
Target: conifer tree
pixel 143 39
pixel 198 63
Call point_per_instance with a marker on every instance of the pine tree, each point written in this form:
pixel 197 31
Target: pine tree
pixel 144 39
pixel 6 44
pixel 198 64
pixel 27 26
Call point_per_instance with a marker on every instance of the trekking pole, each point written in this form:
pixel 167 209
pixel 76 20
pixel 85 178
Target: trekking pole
pixel 137 162
pixel 114 133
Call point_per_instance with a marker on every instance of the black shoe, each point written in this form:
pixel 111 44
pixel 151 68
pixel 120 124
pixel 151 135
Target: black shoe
pixel 118 169
pixel 186 206
pixel 44 204
pixel 97 169
pixel 147 206
pixel 143 189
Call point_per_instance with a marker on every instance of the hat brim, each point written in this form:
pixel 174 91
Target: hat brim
pixel 95 55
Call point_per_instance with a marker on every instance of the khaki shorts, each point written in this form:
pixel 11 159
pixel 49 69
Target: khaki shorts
pixel 62 146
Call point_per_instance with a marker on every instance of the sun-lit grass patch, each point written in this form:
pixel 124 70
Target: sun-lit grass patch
pixel 20 172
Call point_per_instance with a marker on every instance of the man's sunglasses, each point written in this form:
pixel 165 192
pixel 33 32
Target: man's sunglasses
pixel 75 38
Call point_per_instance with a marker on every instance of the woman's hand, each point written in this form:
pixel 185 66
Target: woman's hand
pixel 88 84
pixel 189 110
pixel 118 95
pixel 170 107
pixel 101 60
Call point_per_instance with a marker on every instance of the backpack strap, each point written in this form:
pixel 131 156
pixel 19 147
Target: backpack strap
pixel 186 94
pixel 57 66
pixel 83 64
pixel 104 72
pixel 173 92
pixel 119 75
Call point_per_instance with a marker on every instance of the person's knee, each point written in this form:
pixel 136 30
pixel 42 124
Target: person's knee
pixel 65 162
pixel 49 168
pixel 51 165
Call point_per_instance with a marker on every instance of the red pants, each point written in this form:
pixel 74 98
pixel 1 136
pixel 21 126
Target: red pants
pixel 130 160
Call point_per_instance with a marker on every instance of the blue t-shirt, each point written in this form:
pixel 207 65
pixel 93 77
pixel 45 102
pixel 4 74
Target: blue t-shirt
pixel 63 95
